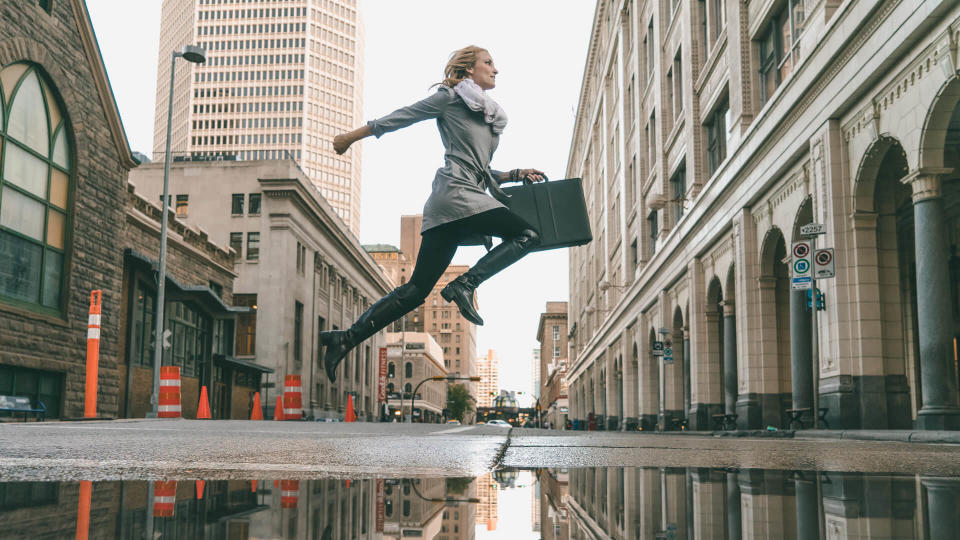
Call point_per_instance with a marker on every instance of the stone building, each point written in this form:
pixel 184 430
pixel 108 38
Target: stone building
pixel 488 369
pixel 421 357
pixel 198 313
pixel 300 271
pixel 707 135
pixel 280 80
pixel 62 205
pixel 554 489
pixel 552 335
pixel 413 507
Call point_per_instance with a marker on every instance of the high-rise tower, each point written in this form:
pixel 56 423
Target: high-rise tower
pixel 282 77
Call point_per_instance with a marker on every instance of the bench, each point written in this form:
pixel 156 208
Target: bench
pixel 21 404
pixel 796 415
pixel 724 421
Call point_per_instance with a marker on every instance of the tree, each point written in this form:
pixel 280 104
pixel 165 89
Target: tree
pixel 458 401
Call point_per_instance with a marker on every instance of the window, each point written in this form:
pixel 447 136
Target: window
pixel 677 85
pixel 391 370
pixel 191 338
pixel 182 205
pixel 34 188
pixel 408 370
pixel 717 137
pixel 780 47
pixel 297 333
pixel 253 246
pixel 556 332
pixel 236 204
pixel 651 132
pixel 702 13
pixel 254 200
pixel 648 44
pixel 679 187
pixel 556 351
pixel 717 19
pixel 39 386
pixel 46 5
pixel 144 311
pixel 216 288
pixel 246 324
pixel 236 242
pixel 652 227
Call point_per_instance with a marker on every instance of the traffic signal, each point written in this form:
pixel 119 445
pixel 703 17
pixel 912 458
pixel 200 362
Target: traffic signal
pixel 821 302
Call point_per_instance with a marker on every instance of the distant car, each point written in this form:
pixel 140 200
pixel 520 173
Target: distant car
pixel 501 423
pixel 453 422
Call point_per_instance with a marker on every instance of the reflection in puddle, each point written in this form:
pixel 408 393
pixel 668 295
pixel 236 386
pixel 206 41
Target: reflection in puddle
pixel 546 503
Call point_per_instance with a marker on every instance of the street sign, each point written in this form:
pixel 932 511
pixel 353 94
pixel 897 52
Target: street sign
pixel 658 348
pixel 813 229
pixel 823 264
pixel 801 266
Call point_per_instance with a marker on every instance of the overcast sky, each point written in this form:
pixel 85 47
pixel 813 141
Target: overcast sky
pixel 539 47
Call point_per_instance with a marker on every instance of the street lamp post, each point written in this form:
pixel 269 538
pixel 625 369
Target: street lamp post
pixel 196 55
pixel 413 398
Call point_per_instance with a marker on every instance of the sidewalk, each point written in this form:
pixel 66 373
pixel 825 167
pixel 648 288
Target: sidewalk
pixel 886 435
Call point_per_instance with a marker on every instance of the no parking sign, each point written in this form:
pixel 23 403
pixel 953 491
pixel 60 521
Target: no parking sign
pixel 801 266
pixel 823 264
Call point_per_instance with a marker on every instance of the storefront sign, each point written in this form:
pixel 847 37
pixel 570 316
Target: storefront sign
pixel 382 383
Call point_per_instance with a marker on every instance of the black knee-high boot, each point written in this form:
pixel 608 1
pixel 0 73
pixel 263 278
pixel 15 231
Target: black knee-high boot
pixel 460 290
pixel 338 343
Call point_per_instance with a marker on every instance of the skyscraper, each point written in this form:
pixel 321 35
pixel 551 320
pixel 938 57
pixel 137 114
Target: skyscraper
pixel 488 367
pixel 282 77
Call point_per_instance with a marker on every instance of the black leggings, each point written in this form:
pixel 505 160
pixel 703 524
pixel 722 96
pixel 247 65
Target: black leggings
pixel 439 244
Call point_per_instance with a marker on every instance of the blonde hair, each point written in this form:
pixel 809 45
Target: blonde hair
pixel 460 61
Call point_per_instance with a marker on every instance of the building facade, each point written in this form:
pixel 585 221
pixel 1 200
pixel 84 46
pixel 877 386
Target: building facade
pixel 552 335
pixel 708 134
pixel 198 314
pixel 65 160
pixel 412 357
pixel 300 272
pixel 280 80
pixel 488 369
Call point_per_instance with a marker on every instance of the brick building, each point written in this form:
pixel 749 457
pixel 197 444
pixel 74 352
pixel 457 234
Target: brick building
pixel 62 205
pixel 552 335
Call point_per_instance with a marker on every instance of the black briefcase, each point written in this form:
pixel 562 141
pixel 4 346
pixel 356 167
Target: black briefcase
pixel 555 209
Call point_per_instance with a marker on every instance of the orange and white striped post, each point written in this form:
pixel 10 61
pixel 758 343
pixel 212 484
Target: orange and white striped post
pixel 292 398
pixel 289 493
pixel 83 510
pixel 93 355
pixel 164 498
pixel 169 404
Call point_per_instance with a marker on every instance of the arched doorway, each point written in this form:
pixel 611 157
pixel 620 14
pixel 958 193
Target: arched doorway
pixel 775 305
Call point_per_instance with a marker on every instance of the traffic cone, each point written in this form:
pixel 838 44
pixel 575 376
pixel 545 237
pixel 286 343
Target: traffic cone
pixel 253 486
pixel 351 416
pixel 348 483
pixel 203 410
pixel 278 410
pixel 257 412
pixel 200 485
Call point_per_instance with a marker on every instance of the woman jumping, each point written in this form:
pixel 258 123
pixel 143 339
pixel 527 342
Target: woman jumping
pixel 459 212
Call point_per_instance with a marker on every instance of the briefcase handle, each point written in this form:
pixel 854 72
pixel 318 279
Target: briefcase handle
pixel 526 181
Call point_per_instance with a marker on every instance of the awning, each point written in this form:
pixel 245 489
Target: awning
pixel 243 364
pixel 201 294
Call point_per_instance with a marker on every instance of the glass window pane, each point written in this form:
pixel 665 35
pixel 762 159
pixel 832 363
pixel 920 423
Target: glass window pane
pixel 56 224
pixel 28 116
pixel 52 274
pixel 61 149
pixel 58 188
pixel 9 77
pixel 19 268
pixel 21 213
pixel 24 170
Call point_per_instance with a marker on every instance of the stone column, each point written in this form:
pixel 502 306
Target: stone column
pixel 686 373
pixel 734 519
pixel 729 358
pixel 938 374
pixel 808 515
pixel 943 498
pixel 801 366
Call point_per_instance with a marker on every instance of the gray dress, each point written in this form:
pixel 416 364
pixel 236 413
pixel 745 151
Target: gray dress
pixel 459 186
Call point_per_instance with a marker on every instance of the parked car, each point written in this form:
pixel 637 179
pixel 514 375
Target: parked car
pixel 501 423
pixel 453 422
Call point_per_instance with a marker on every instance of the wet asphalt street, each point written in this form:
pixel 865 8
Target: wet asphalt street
pixel 183 449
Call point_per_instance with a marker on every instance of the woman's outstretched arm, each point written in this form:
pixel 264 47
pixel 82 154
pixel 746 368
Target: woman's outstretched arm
pixel 343 141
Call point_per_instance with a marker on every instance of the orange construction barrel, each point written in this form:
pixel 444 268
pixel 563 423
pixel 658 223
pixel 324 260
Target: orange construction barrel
pixel 289 493
pixel 292 398
pixel 169 404
pixel 164 498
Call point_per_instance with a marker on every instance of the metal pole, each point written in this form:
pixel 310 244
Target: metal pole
pixel 403 350
pixel 815 340
pixel 162 261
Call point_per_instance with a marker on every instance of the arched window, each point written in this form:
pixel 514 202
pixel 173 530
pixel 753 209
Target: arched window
pixel 391 370
pixel 390 388
pixel 35 173
pixel 406 508
pixel 408 388
pixel 408 370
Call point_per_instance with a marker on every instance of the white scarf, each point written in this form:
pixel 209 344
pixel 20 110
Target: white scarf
pixel 478 100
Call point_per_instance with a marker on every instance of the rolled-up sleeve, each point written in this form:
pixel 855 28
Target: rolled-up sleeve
pixel 430 107
pixel 496 175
